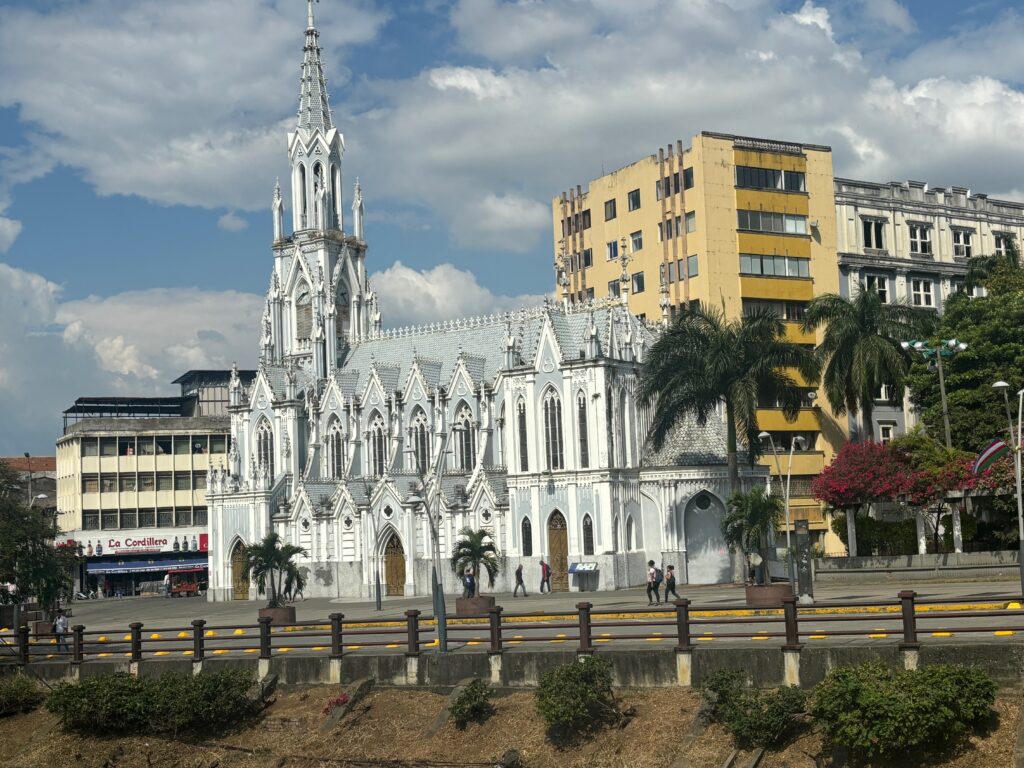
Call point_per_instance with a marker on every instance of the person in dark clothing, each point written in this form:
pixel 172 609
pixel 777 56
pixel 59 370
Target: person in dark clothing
pixel 519 582
pixel 545 576
pixel 670 582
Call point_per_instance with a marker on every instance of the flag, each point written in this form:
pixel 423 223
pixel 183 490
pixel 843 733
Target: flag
pixel 991 453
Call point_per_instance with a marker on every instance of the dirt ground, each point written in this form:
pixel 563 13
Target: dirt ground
pixel 390 728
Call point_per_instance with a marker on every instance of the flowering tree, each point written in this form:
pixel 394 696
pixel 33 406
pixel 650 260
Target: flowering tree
pixel 861 474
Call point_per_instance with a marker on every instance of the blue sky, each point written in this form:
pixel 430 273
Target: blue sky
pixel 139 144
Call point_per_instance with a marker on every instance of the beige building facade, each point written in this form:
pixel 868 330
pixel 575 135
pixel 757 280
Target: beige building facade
pixel 729 221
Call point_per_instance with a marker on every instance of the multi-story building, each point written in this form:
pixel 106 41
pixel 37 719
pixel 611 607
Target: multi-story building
pixel 131 480
pixel 730 221
pixel 37 479
pixel 911 242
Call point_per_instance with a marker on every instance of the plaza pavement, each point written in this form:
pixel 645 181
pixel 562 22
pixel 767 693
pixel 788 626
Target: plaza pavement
pixel 160 611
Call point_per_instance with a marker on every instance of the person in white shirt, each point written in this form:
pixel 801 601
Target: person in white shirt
pixel 167 585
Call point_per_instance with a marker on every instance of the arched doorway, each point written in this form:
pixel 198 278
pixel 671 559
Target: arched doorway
pixel 394 566
pixel 707 557
pixel 558 552
pixel 239 579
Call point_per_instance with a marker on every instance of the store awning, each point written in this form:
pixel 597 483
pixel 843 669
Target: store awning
pixel 143 567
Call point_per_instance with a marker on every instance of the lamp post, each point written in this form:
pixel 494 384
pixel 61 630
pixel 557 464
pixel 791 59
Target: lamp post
pixel 28 461
pixel 947 348
pixel 36 498
pixel 797 440
pixel 436 586
pixel 1003 387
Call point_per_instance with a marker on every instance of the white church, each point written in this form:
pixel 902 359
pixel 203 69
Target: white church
pixel 364 446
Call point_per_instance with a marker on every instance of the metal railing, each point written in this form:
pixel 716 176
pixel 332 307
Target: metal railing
pixel 586 628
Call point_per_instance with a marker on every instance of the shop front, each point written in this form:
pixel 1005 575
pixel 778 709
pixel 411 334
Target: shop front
pixel 134 563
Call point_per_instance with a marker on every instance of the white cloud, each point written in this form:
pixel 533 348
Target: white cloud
pixel 812 15
pixel 9 231
pixel 890 12
pixel 410 297
pixel 181 102
pixel 232 222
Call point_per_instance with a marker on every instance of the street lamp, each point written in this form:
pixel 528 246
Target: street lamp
pixel 1003 387
pixel 436 586
pixel 947 348
pixel 39 497
pixel 797 440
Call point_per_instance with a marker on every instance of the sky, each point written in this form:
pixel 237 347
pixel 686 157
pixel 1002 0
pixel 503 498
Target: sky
pixel 140 141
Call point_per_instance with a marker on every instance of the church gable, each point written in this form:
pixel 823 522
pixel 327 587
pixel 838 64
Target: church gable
pixel 549 353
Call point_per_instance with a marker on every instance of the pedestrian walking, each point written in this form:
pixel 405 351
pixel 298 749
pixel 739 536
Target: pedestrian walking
pixel 468 584
pixel 654 579
pixel 167 585
pixel 60 629
pixel 519 582
pixel 670 582
pixel 545 576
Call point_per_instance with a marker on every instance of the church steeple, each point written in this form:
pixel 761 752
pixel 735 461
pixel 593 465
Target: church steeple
pixel 314 106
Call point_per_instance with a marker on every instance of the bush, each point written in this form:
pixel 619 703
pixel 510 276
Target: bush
pixel 18 694
pixel 120 703
pixel 473 704
pixel 874 711
pixel 755 718
pixel 577 697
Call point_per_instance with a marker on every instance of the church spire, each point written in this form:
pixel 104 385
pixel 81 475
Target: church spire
pixel 314 108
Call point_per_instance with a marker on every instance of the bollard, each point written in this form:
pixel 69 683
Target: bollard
pixel 198 644
pixel 337 646
pixel 136 632
pixel 909 619
pixel 412 618
pixel 683 624
pixel 495 621
pixel 264 636
pixel 23 645
pixel 792 629
pixel 77 643
pixel 584 612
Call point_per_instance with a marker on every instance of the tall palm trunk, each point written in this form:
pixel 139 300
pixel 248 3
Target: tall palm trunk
pixel 730 446
pixel 867 411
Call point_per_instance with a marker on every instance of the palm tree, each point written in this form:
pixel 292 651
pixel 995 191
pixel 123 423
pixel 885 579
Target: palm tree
pixel 270 563
pixel 703 359
pixel 473 550
pixel 750 522
pixel 861 348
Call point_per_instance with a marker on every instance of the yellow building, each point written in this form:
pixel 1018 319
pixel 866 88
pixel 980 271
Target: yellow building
pixel 730 221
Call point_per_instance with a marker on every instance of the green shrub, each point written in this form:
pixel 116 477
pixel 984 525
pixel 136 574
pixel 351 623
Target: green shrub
pixel 473 704
pixel 19 694
pixel 173 703
pixel 577 697
pixel 755 718
pixel 875 711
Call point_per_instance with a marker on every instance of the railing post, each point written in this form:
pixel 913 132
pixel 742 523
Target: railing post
pixel 495 621
pixel 198 641
pixel 337 644
pixel 77 643
pixel 264 636
pixel 792 629
pixel 412 618
pixel 136 632
pixel 584 612
pixel 683 625
pixel 909 620
pixel 23 645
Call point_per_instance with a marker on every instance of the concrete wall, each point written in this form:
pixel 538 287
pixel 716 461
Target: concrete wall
pixel 900 569
pixel 632 668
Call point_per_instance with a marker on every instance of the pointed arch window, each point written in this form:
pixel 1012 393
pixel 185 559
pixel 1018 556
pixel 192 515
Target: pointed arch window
pixel 265 448
pixel 465 439
pixel 303 211
pixel 615 534
pixel 581 426
pixel 609 416
pixel 588 535
pixel 378 446
pixel 524 454
pixel 630 541
pixel 554 445
pixel 335 450
pixel 421 441
pixel 527 538
pixel 303 312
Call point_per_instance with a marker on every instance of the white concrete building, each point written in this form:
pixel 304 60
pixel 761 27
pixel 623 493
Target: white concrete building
pixel 524 423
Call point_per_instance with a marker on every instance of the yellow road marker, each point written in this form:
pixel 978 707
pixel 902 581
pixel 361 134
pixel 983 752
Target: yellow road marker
pixel 186 653
pixel 220 651
pixel 707 636
pixel 604 638
pixel 183 634
pixel 1013 606
pixel 103 638
pixel 878 633
pixel 560 635
pixel 155 636
pixel 942 634
pixel 357 647
pixel 252 650
pixel 1003 633
pixel 392 645
pixel 817 637
pixel 209 633
pixel 103 655
pixel 126 637
pixel 162 653
pixel 238 632
pixel 283 650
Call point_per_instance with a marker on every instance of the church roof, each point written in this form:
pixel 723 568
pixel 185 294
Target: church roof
pixel 314 106
pixel 690 444
pixel 480 342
